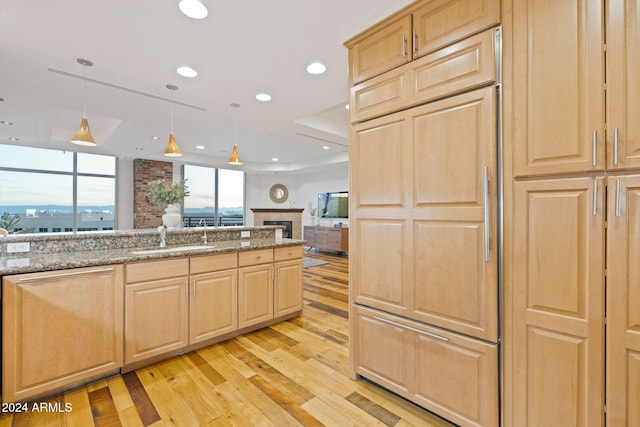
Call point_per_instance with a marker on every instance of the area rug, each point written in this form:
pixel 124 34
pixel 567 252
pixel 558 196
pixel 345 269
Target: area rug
pixel 312 262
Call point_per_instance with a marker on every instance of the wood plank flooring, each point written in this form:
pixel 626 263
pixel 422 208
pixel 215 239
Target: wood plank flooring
pixel 294 373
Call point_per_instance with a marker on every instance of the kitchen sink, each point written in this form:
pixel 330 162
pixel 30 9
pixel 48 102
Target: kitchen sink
pixel 173 249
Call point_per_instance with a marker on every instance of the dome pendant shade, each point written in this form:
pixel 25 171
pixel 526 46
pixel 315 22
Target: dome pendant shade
pixel 172 149
pixel 83 136
pixel 235 157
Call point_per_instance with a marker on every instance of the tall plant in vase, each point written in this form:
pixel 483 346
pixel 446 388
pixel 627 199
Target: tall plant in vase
pixel 168 197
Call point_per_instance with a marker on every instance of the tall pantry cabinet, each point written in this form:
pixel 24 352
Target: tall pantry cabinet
pixel 424 232
pixel 574 307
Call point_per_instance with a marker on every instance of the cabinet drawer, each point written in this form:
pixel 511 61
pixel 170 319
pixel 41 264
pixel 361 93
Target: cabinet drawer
pixel 152 270
pixel 208 263
pixel 261 256
pixel 288 252
pixel 450 374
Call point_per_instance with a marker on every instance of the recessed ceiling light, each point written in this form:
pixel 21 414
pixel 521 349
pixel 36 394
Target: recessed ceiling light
pixel 326 147
pixel 316 68
pixel 155 137
pixel 200 147
pixel 186 71
pixel 263 97
pixel 4 122
pixel 193 9
pixel 275 159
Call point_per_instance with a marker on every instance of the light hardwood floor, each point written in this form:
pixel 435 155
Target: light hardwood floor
pixel 290 374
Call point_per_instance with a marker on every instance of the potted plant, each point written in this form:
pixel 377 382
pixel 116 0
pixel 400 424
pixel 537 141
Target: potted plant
pixel 169 197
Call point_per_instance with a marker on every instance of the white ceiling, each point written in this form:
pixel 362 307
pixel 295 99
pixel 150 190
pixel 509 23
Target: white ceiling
pixel 242 48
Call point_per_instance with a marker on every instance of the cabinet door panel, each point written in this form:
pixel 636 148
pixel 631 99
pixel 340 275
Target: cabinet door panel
pixel 383 49
pixel 380 243
pixel 442 22
pixel 379 153
pixel 623 302
pixel 458 378
pixel 156 318
pixel 558 86
pixel 213 306
pixel 623 85
pixel 455 275
pixel 454 287
pixel 287 295
pixel 558 302
pixel 255 294
pixel 59 328
pixel 382 351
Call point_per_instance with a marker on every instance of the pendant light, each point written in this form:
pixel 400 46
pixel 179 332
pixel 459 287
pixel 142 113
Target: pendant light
pixel 235 157
pixel 83 136
pixel 172 149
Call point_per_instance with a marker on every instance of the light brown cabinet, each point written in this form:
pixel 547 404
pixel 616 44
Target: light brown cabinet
pixel 450 374
pixel 559 102
pixel 464 65
pixel 180 302
pixel 559 305
pixel 575 104
pixel 419 29
pixel 287 294
pixel 214 296
pixel 623 302
pixel 623 87
pixel 60 328
pixel 156 308
pixel 417 223
pixel 327 238
pixel 255 287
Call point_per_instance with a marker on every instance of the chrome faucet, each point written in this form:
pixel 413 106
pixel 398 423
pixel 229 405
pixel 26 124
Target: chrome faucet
pixel 163 236
pixel 204 222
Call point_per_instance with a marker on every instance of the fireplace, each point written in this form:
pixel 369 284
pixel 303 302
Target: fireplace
pixel 286 233
pixel 280 216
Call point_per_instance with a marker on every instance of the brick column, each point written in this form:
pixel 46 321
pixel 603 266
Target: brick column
pixel 145 214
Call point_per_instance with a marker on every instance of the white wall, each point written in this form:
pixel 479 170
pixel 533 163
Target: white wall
pixel 303 191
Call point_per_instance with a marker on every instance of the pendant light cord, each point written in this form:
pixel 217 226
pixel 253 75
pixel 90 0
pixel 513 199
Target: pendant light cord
pixel 84 91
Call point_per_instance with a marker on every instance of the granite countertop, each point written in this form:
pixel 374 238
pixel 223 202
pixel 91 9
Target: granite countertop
pixel 29 262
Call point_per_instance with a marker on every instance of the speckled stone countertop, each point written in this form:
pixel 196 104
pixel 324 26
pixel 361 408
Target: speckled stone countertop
pixel 61 251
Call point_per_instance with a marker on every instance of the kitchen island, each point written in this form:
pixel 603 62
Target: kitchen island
pixel 77 307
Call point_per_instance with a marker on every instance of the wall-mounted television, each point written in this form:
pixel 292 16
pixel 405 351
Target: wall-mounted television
pixel 333 204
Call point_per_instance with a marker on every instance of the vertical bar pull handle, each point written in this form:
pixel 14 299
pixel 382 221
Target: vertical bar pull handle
pixel 186 288
pixel 403 51
pixel 595 197
pixel 485 179
pixel 616 136
pixel 415 42
pixel 194 287
pixel 618 197
pixel 594 148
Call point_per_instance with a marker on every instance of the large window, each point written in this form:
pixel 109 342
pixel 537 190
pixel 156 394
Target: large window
pixel 217 195
pixel 44 191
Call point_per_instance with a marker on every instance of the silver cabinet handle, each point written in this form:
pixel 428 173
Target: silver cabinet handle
pixel 485 178
pixel 594 148
pixel 617 197
pixel 616 136
pixel 415 42
pixel 68 274
pixel 193 292
pixel 429 334
pixel 403 51
pixel 595 197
